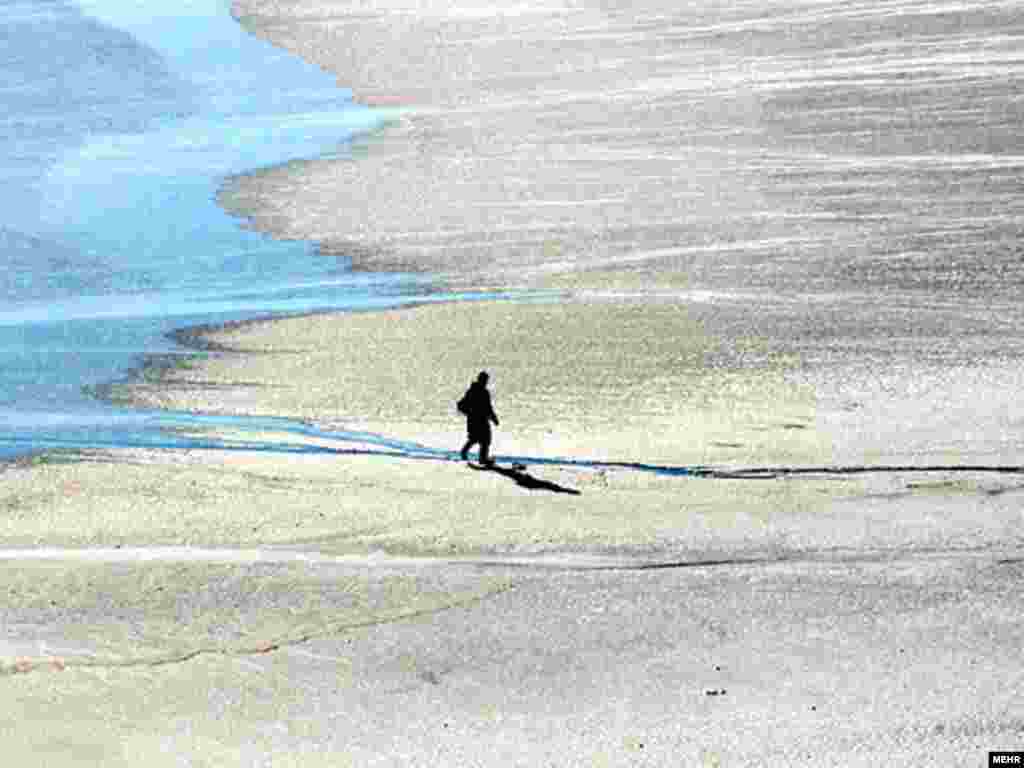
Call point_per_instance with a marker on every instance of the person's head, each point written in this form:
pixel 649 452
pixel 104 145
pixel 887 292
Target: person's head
pixel 482 379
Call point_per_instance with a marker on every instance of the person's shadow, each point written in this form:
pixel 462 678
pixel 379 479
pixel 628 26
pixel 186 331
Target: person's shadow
pixel 525 480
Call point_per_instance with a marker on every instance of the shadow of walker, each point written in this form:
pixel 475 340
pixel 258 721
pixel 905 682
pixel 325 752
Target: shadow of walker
pixel 525 480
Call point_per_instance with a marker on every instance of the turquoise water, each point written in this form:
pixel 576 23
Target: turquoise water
pixel 122 120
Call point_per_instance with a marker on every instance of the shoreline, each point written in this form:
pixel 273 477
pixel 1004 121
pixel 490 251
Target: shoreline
pixel 349 609
pixel 187 150
pixel 222 338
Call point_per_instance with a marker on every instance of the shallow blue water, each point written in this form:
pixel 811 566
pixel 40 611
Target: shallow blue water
pixel 122 119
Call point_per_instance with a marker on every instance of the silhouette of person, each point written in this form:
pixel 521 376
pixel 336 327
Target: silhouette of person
pixel 476 405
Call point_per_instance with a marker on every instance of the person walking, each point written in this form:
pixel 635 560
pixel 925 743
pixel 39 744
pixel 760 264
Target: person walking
pixel 479 412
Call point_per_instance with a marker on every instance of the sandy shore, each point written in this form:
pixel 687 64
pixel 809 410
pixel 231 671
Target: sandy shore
pixel 846 602
pixel 380 609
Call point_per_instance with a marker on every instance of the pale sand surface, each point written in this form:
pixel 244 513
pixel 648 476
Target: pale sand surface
pixel 232 608
pixel 629 380
pixel 235 608
pixel 646 143
pixel 875 663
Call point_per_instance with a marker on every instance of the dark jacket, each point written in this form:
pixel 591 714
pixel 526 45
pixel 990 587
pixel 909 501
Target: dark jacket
pixel 476 404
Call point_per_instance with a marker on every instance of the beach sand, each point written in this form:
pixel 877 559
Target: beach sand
pixel 805 585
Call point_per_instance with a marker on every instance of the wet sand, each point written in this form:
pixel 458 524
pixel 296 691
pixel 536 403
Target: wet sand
pixel 825 594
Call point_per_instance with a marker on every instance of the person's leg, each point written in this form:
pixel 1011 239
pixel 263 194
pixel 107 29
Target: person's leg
pixel 466 447
pixel 485 450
